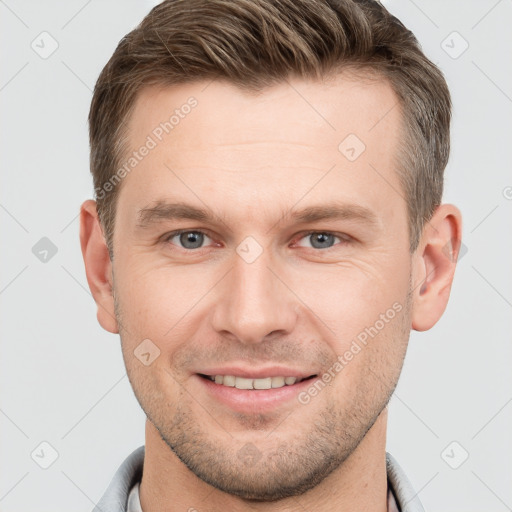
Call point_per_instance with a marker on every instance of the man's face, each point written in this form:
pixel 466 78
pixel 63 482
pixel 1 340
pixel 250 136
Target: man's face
pixel 263 286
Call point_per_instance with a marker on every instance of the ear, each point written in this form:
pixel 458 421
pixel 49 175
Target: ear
pixel 98 266
pixel 434 263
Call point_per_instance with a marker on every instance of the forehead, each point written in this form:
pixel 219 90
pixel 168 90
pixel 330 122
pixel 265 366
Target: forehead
pixel 318 111
pixel 273 145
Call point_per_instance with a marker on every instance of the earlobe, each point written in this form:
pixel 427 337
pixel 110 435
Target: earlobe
pixel 98 267
pixel 434 266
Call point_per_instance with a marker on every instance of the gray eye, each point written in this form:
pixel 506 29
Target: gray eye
pixel 191 239
pixel 321 240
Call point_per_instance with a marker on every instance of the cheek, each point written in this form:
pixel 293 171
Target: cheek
pixel 349 298
pixel 157 393
pixel 372 360
pixel 156 298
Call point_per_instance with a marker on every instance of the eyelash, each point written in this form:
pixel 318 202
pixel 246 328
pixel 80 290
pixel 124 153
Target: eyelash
pixel 344 238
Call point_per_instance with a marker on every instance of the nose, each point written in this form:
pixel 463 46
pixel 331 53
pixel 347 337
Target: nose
pixel 253 302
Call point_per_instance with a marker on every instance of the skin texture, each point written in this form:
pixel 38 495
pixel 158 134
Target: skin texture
pixel 251 160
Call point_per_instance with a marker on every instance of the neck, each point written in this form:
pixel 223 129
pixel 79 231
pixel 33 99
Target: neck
pixel 360 483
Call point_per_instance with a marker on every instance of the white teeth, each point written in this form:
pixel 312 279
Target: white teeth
pixel 262 383
pixel 278 382
pixel 229 380
pixel 245 383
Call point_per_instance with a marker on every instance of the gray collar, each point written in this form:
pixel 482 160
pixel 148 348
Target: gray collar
pixel 129 474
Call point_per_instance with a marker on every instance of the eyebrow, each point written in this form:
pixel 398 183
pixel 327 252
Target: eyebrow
pixel 170 211
pixel 163 210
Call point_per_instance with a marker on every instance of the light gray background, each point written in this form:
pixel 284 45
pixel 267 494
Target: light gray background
pixel 62 376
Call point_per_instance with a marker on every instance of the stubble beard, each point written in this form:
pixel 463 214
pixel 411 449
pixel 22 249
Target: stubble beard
pixel 281 466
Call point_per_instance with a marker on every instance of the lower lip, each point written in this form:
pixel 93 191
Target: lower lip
pixel 253 400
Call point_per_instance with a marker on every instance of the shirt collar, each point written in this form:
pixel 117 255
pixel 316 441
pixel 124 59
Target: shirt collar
pixel 122 495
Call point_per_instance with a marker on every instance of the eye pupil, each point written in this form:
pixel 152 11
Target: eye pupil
pixel 191 239
pixel 321 240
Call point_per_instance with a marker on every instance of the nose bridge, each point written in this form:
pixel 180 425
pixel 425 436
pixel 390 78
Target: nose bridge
pixel 253 302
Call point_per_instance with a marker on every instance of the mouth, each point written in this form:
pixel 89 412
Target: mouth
pixel 264 383
pixel 254 390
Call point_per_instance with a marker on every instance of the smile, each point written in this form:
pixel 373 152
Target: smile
pixel 261 383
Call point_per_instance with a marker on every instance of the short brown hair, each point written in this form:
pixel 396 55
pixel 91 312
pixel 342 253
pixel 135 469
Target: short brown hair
pixel 257 43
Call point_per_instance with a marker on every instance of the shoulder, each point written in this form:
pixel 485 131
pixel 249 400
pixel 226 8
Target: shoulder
pixel 129 473
pixel 406 497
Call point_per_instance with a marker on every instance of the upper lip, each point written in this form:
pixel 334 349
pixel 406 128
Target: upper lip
pixel 257 373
